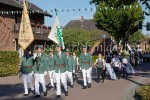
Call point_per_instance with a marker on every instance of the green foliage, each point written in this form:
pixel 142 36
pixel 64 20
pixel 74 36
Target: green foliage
pixel 148 49
pixel 79 37
pixel 119 22
pixel 137 38
pixel 143 92
pixel 9 63
pixel 125 53
pixel 94 58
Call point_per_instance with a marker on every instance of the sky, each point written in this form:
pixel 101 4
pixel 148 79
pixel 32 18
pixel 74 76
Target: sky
pixel 65 17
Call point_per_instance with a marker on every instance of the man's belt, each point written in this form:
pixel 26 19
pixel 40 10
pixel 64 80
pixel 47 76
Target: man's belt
pixel 85 62
pixel 60 65
pixel 28 67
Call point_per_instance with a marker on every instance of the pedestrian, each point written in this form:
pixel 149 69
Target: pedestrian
pixel 125 67
pixel 75 62
pixel 51 68
pixel 85 64
pixel 100 68
pixel 116 65
pixel 109 68
pixel 60 71
pixel 26 71
pixel 39 68
pixel 70 68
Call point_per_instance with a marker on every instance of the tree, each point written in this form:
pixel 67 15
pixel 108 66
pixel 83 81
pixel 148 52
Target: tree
pixel 119 18
pixel 137 38
pixel 80 37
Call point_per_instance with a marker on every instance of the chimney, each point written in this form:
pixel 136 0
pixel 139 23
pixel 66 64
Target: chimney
pixel 82 18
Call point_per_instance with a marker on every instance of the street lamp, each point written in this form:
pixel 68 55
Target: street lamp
pixel 104 37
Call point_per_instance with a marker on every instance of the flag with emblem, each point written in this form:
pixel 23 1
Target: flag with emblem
pixel 56 33
pixel 25 34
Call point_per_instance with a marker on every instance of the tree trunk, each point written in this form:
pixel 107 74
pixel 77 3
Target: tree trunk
pixel 117 46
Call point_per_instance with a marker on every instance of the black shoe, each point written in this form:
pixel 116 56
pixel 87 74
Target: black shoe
pixel 71 86
pixel 25 94
pixel 89 85
pixel 45 93
pixel 66 93
pixel 58 96
pixel 33 92
pixel 52 87
pixel 84 87
pixel 36 96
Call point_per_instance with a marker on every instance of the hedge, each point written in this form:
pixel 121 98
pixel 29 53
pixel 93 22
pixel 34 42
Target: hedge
pixel 9 63
pixel 143 92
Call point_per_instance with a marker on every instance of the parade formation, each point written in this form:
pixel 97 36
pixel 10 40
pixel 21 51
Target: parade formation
pixel 63 66
pixel 108 47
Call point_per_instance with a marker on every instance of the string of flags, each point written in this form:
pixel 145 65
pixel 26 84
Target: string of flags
pixel 69 10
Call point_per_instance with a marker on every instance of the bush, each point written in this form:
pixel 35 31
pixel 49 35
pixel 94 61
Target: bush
pixel 94 59
pixel 9 62
pixel 143 92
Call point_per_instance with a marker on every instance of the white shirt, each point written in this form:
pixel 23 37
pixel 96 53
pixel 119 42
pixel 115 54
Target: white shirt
pixel 124 60
pixel 74 57
pixel 116 62
pixel 39 54
pixel 85 53
pixel 99 59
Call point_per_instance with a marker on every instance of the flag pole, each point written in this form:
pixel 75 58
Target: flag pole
pixel 56 11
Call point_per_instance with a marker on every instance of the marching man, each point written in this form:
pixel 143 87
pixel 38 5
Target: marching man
pixel 60 71
pixel 51 68
pixel 75 62
pixel 26 71
pixel 69 67
pixel 40 66
pixel 85 64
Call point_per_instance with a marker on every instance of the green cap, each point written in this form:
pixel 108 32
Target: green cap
pixel 51 50
pixel 39 46
pixel 58 45
pixel 67 50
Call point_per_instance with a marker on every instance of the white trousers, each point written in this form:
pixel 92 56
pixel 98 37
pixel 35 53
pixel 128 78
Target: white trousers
pixel 27 78
pixel 39 78
pixel 52 78
pixel 70 77
pixel 86 76
pixel 60 78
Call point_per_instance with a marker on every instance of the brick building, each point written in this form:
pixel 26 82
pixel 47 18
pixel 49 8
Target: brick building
pixel 10 23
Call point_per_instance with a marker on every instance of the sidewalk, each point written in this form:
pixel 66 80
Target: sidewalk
pixel 11 88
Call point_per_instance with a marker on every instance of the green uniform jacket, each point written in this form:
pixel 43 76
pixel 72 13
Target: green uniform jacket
pixel 26 64
pixel 42 64
pixel 60 63
pixel 85 61
pixel 70 66
pixel 50 63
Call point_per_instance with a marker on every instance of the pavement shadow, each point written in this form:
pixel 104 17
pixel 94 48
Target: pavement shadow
pixel 143 70
pixel 140 84
pixel 31 98
pixel 7 89
pixel 11 92
pixel 143 67
pixel 80 82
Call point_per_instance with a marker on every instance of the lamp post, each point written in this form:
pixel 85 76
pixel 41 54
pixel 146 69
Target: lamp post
pixel 104 37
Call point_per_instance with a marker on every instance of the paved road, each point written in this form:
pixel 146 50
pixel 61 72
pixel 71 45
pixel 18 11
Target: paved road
pixel 11 88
